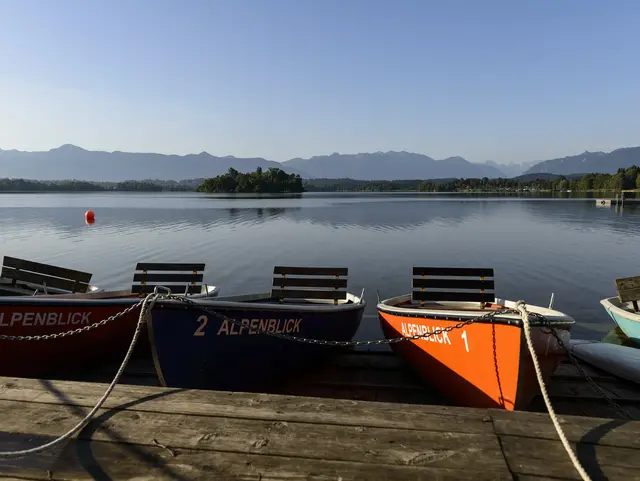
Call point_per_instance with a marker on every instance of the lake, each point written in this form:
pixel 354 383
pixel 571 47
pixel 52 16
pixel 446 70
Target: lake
pixel 537 246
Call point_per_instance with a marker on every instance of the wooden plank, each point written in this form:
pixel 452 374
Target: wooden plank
pixel 309 282
pixel 588 430
pixel 569 371
pixel 628 288
pixel 580 389
pixel 386 379
pixel 47 269
pixel 382 446
pixel 452 283
pixel 85 461
pixel 41 279
pixel 307 294
pixel 589 408
pixel 311 271
pixel 378 360
pixel 169 266
pixel 452 271
pixel 364 393
pixel 541 457
pixel 175 288
pixel 452 296
pixel 166 277
pixel 251 405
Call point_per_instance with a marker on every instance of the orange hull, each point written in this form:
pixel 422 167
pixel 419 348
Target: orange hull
pixel 463 364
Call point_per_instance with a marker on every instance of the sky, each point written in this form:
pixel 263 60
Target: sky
pixel 486 80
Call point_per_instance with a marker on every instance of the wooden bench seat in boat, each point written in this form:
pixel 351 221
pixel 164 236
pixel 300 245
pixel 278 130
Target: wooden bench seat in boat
pixel 310 283
pixel 25 274
pixel 629 290
pixel 181 278
pixel 431 285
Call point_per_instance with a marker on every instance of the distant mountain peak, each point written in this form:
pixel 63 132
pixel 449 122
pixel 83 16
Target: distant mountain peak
pixel 68 148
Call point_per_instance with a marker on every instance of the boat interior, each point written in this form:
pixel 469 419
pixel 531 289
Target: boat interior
pixel 20 277
pixel 304 286
pixel 450 288
pixel 454 290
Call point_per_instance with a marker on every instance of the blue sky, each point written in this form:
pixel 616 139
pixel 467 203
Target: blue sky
pixel 493 79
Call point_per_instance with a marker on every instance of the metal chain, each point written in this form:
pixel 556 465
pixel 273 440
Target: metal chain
pixel 584 373
pixel 56 335
pixel 323 342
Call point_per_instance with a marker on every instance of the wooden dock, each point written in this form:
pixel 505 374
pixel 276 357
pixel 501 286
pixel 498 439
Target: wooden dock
pixel 156 433
pixel 382 376
pixel 364 416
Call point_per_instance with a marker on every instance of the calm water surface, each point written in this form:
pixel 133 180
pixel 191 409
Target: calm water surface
pixel 536 246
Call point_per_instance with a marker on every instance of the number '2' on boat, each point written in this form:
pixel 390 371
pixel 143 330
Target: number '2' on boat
pixel 483 364
pixel 198 345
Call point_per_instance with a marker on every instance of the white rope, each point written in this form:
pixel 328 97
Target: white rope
pixel 147 305
pixel 520 305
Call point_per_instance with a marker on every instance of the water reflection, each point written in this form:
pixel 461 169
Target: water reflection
pixel 536 246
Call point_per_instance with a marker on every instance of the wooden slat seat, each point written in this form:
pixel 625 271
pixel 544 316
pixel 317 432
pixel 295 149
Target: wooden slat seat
pixel 459 284
pixel 180 277
pixel 629 290
pixel 327 283
pixel 44 275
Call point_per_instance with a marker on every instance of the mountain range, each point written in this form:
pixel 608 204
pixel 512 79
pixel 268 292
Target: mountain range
pixel 72 162
pixel 589 162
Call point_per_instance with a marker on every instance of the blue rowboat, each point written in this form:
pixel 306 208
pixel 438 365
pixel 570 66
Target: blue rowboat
pixel 624 316
pixel 197 345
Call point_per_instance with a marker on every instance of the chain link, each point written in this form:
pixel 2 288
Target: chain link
pixel 375 342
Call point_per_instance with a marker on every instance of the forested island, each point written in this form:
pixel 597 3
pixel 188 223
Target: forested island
pixel 624 179
pixel 271 181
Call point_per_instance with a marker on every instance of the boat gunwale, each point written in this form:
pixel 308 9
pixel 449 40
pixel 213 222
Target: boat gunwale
pixel 613 305
pixel 100 298
pixel 245 302
pixel 27 289
pixel 447 313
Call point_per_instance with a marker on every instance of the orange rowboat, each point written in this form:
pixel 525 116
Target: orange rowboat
pixel 483 363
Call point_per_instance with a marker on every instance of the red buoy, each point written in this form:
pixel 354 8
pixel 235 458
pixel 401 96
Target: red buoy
pixel 89 216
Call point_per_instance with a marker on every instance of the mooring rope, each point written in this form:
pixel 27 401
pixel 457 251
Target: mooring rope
pixel 145 309
pixel 148 303
pixel 520 305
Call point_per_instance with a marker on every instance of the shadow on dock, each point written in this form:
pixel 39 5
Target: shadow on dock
pixel 362 415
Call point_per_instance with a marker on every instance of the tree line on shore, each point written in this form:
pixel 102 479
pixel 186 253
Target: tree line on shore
pixel 23 185
pixel 277 181
pixel 623 179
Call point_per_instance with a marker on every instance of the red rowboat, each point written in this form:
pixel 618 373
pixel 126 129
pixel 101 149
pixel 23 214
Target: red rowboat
pixel 71 303
pixel 482 364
